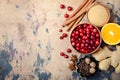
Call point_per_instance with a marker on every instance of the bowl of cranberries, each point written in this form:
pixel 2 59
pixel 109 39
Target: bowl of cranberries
pixel 85 38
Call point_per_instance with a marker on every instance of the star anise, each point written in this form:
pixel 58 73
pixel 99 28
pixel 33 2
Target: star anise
pixel 72 66
pixel 73 58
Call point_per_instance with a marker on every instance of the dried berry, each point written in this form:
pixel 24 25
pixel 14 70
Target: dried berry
pixel 62 6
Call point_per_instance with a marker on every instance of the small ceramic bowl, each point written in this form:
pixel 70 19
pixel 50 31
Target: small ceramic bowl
pixel 98 15
pixel 85 38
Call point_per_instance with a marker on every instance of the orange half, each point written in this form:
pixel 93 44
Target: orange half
pixel 111 33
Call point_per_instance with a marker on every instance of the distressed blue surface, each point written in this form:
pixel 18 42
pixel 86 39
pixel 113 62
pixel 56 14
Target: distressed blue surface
pixel 39 62
pixel 5 66
pixel 118 18
pixel 15 77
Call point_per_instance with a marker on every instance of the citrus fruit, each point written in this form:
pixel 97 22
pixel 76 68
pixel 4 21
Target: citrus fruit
pixel 111 33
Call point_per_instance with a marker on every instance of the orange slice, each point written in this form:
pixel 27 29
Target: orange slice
pixel 111 33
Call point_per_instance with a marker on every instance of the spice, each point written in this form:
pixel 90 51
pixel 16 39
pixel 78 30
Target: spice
pixel 86 66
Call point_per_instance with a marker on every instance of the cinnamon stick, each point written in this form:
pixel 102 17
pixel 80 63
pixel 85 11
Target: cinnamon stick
pixel 82 11
pixel 79 8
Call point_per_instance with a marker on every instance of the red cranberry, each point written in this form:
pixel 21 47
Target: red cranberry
pixel 69 8
pixel 77 45
pixel 76 37
pixel 60 30
pixel 62 6
pixel 87 41
pixel 77 41
pixel 79 27
pixel 65 56
pixel 93 33
pixel 85 25
pixel 77 48
pixel 90 26
pixel 92 43
pixel 93 47
pixel 61 37
pixel 66 15
pixel 95 30
pixel 92 37
pixel 77 32
pixel 89 47
pixel 73 34
pixel 64 35
pixel 81 30
pixel 84 37
pixel 68 50
pixel 87 30
pixel 82 45
pixel 73 43
pixel 83 41
pixel 81 34
pixel 83 50
pixel 72 39
pixel 97 35
pixel 97 42
pixel 86 45
pixel 62 53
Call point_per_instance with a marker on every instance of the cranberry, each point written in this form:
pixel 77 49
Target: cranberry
pixel 85 25
pixel 97 42
pixel 73 43
pixel 77 32
pixel 90 26
pixel 60 30
pixel 82 45
pixel 83 50
pixel 62 6
pixel 95 30
pixel 61 37
pixel 87 41
pixel 66 15
pixel 64 35
pixel 83 41
pixel 97 35
pixel 65 56
pixel 93 47
pixel 81 30
pixel 84 37
pixel 77 45
pixel 91 42
pixel 69 8
pixel 92 37
pixel 88 30
pixel 73 34
pixel 76 37
pixel 62 53
pixel 81 34
pixel 68 50
pixel 77 41
pixel 86 45
pixel 93 33
pixel 77 48
pixel 72 39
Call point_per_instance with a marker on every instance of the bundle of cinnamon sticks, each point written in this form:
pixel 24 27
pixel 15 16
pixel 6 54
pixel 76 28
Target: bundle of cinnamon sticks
pixel 78 14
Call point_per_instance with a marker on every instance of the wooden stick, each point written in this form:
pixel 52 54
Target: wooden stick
pixel 75 22
pixel 77 10
pixel 82 11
